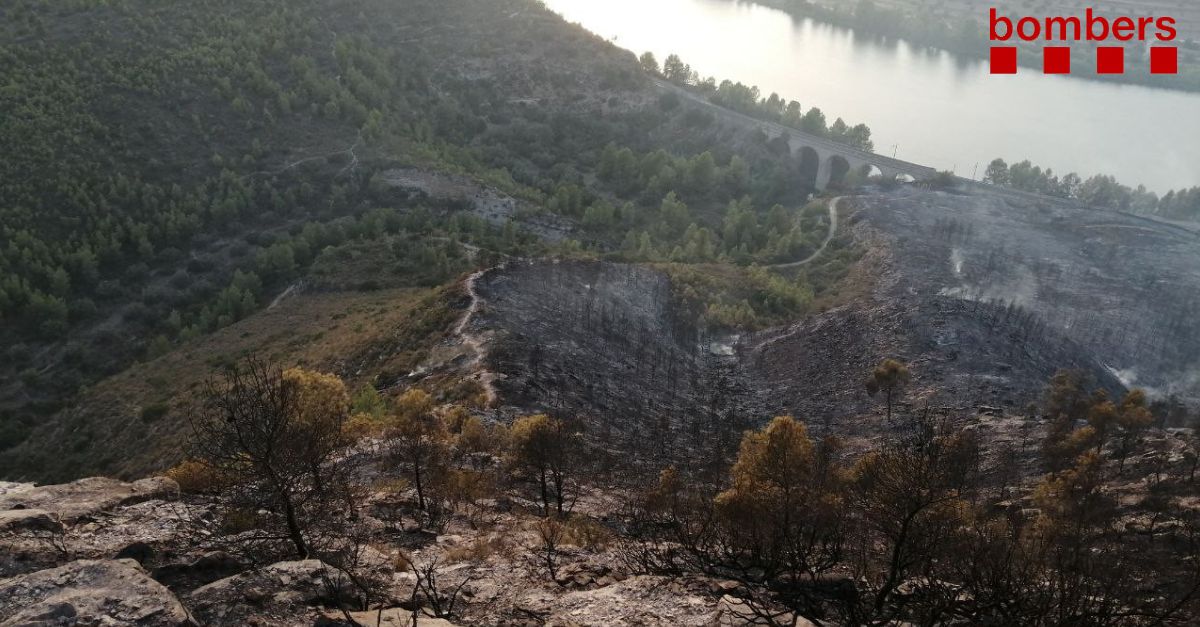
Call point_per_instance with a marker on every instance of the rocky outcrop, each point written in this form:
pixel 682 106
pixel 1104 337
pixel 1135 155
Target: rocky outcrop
pixel 70 502
pixel 640 600
pixel 29 520
pixel 203 570
pixel 280 594
pixel 394 617
pixel 90 592
pixel 87 525
pixel 586 576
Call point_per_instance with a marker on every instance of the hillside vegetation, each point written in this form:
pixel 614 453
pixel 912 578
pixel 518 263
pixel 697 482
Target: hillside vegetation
pixel 447 310
pixel 182 164
pixel 133 423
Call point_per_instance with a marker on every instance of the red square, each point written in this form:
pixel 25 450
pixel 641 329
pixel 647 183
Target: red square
pixel 1164 60
pixel 1110 60
pixel 1056 60
pixel 1004 60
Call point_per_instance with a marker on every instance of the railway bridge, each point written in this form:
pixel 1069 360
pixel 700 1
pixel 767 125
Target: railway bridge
pixel 822 160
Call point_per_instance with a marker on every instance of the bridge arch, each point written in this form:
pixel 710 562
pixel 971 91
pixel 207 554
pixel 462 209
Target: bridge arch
pixel 834 170
pixel 870 171
pixel 810 167
pixel 797 140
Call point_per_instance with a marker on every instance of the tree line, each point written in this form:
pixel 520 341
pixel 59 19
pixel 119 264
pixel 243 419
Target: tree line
pixel 748 100
pixel 1098 191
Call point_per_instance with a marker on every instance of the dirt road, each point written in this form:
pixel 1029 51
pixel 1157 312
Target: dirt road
pixel 833 227
pixel 473 341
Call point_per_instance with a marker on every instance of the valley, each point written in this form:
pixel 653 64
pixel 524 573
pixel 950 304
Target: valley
pixel 445 312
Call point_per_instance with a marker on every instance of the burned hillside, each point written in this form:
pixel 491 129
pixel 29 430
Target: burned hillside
pixel 606 342
pixel 1121 287
pixel 983 296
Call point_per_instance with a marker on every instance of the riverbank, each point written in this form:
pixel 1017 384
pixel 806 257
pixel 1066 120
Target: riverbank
pixel 922 105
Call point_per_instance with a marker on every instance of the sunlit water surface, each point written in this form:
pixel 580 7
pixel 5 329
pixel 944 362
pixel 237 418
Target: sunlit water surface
pixel 928 107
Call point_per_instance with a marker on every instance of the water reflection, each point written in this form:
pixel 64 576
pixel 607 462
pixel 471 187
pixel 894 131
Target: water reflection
pixel 941 110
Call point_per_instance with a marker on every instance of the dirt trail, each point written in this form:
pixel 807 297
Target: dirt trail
pixel 474 341
pixel 833 227
pixel 290 291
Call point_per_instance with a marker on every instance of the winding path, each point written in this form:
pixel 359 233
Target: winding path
pixel 292 289
pixel 473 341
pixel 833 227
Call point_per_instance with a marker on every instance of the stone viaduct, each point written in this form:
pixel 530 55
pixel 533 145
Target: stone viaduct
pixel 822 160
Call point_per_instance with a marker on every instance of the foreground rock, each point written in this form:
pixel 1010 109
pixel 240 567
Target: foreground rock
pixel 71 501
pixel 394 617
pixel 89 592
pixel 286 593
pixel 200 571
pixel 95 520
pixel 640 600
pixel 29 520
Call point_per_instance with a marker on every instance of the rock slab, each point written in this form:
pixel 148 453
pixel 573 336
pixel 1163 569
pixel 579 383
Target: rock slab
pixel 282 594
pixel 70 502
pixel 29 520
pixel 90 592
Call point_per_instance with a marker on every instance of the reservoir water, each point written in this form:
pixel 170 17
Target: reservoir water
pixel 929 107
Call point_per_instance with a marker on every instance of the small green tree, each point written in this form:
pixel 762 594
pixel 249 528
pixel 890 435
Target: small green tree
pixel 676 71
pixel 996 173
pixel 814 122
pixel 422 442
pixel 367 400
pixel 1133 418
pixel 1066 404
pixel 889 377
pixel 649 63
pixel 541 446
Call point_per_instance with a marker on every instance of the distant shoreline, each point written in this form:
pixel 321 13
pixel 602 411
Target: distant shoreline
pixel 1188 80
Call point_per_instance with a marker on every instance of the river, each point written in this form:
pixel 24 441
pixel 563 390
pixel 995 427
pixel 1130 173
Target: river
pixel 928 107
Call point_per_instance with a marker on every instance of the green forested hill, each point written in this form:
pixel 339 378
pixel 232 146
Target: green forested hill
pixel 131 128
pixel 169 167
pixel 166 163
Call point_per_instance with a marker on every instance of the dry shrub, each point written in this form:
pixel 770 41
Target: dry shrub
pixel 362 425
pixel 455 417
pixel 479 550
pixel 197 477
pixel 392 486
pixel 466 492
pixel 586 533
pixel 239 520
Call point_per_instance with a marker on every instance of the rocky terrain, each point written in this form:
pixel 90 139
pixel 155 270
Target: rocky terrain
pixel 536 439
pixel 99 551
pixel 969 289
pixel 492 205
pixel 142 554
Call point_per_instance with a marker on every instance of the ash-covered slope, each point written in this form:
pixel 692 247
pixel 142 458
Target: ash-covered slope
pixel 984 296
pixel 605 342
pixel 1125 289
